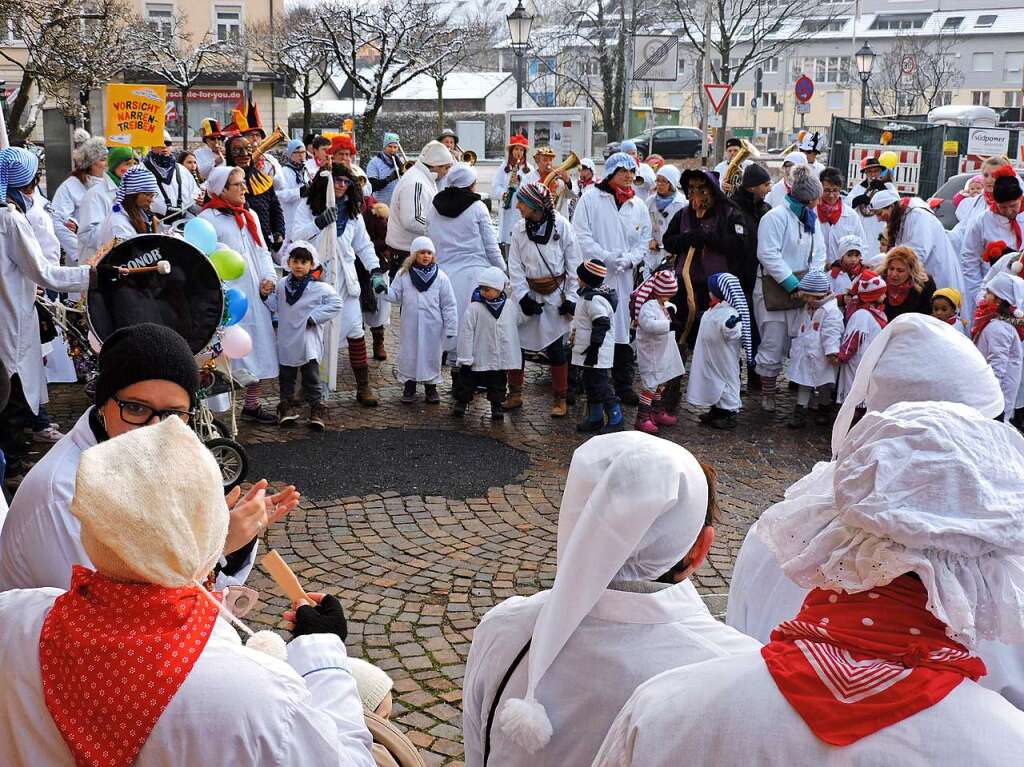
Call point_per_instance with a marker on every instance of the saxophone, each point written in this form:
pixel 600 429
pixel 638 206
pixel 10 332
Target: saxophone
pixel 510 193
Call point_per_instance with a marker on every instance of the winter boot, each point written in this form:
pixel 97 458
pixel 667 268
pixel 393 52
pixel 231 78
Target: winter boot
pixel 726 419
pixel 409 393
pixel 560 388
pixel 497 411
pixel 711 415
pixel 594 420
pixel 661 417
pixel 459 409
pixel 317 416
pixel 379 353
pixel 514 400
pixel 616 421
pixel 799 418
pixel 430 394
pixel 365 395
pixel 645 420
pixel 628 397
pixel 768 385
pixel 286 414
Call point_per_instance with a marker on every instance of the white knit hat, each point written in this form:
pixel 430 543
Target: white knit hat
pixel 151 505
pixel 883 198
pixel 492 277
pixel 372 683
pixel 422 243
pixel 850 242
pixel 435 153
pixel 633 506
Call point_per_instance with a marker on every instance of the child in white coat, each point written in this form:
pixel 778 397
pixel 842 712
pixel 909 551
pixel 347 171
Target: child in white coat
pixel 723 339
pixel 997 332
pixel 429 320
pixel 814 351
pixel 863 325
pixel 488 343
pixel 302 304
pixel 657 352
pixel 845 270
pixel 593 348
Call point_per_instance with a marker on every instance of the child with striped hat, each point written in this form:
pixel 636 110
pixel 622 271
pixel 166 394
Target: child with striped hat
pixel 657 353
pixel 593 348
pixel 861 328
pixel 814 350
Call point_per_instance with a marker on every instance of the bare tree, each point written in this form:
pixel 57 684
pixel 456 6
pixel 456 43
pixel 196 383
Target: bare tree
pixel 380 47
pixel 891 91
pixel 290 48
pixel 175 57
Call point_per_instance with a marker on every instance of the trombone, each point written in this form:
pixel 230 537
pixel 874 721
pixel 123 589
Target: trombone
pixel 467 156
pixel 406 162
pixel 551 181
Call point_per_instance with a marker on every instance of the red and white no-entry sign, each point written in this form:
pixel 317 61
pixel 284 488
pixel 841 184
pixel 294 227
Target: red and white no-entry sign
pixel 717 93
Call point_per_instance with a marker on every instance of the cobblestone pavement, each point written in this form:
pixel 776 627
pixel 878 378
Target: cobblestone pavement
pixel 416 573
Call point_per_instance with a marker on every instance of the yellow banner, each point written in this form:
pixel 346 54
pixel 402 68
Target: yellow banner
pixel 135 114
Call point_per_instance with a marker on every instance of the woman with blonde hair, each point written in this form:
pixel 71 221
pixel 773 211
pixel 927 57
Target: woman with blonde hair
pixel 909 288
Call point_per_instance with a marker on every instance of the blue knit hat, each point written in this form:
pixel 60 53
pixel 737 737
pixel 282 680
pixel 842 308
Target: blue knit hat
pixel 390 138
pixel 617 161
pixel 136 179
pixel 17 169
pixel 293 146
pixel 815 282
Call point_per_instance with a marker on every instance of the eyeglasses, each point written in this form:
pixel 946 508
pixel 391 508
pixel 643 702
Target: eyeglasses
pixel 343 181
pixel 138 414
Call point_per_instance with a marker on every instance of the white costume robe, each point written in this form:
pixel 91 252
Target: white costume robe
pixel 862 323
pixel 507 217
pixel 588 310
pixel 850 222
pixel 777 196
pixel 1000 345
pixel 738 718
pixel 236 706
pixel 41 539
pixel 820 333
pixel 464 247
pixel 430 319
pixel 117 226
pixel 715 368
pixel 207 160
pixel 96 206
pixel 23 267
pixel 657 354
pixel 660 220
pixel 410 203
pixel 983 228
pixel 620 238
pixel 626 638
pixel 66 206
pixel 297 342
pixel 261 362
pixel 179 193
pixel 288 185
pixel 486 343
pixel 923 232
pixel 533 260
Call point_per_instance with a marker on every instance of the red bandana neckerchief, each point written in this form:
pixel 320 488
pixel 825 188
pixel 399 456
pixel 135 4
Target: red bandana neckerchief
pixel 838 268
pixel 111 657
pixel 621 195
pixel 895 295
pixel 243 216
pixel 1011 221
pixel 854 664
pixel 987 311
pixel 829 214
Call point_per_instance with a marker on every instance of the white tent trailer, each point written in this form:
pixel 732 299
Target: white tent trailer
pixel 564 129
pixel 964 116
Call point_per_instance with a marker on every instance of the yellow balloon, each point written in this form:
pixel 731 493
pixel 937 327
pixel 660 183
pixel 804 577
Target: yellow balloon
pixel 888 159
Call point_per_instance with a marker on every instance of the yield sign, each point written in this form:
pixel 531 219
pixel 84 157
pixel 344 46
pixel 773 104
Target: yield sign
pixel 716 94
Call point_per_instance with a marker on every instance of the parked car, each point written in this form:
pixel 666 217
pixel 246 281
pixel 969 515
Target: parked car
pixel 670 141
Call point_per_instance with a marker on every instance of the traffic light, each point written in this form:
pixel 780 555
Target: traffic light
pixel 758 83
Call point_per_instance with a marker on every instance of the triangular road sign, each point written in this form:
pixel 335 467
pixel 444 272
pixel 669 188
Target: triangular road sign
pixel 717 93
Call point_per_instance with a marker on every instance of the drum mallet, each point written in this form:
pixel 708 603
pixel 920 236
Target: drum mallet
pixel 284 577
pixel 160 267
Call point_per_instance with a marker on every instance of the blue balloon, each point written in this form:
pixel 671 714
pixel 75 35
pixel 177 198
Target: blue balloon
pixel 236 304
pixel 200 232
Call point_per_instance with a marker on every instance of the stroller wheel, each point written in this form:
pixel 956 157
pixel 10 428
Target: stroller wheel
pixel 231 458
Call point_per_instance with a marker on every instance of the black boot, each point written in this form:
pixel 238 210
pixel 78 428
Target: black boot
pixel 711 415
pixel 799 418
pixel 497 412
pixel 726 420
pixel 409 393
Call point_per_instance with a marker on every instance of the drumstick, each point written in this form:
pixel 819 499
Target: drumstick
pixel 691 298
pixel 160 267
pixel 283 576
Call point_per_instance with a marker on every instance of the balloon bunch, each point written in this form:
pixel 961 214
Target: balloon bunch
pixel 888 159
pixel 235 342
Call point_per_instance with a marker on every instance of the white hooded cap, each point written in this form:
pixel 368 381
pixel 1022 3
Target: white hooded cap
pixel 850 242
pixel 916 358
pixel 883 198
pixel 218 178
pixel 492 277
pixel 633 506
pixel 645 176
pixel 301 244
pixel 1010 288
pixel 422 243
pixel 932 488
pixel 461 175
pixel 671 174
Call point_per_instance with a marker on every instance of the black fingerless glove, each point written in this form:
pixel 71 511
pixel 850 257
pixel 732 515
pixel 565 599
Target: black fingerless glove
pixel 328 617
pixel 567 308
pixel 530 307
pixel 304 191
pixel 326 218
pixel 590 357
pixel 732 321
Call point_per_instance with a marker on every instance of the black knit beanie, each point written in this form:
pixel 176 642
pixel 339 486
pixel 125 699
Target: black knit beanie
pixel 145 352
pixel 754 175
pixel 1006 189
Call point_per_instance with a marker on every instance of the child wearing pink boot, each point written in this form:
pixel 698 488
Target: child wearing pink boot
pixel 657 353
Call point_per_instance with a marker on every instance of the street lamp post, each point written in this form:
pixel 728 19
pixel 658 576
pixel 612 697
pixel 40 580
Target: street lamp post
pixel 519 24
pixel 865 60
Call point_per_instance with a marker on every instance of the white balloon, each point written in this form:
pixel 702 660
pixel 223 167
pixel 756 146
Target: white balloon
pixel 235 342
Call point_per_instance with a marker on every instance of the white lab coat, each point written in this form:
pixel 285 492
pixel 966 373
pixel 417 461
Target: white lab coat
pixel 261 362
pixel 353 243
pixel 429 319
pixel 923 232
pixel 23 267
pixel 66 206
pixel 1000 345
pixel 410 203
pixel 486 343
pixel 588 310
pixel 619 237
pixel 850 222
pixel 236 706
pixel 95 207
pixel 742 719
pixel 657 353
pixel 983 228
pixel 660 220
pixel 861 322
pixel 820 333
pixel 117 226
pixel 777 195
pixel 297 342
pixel 207 160
pixel 715 368
pixel 528 259
pixel 287 185
pixel 41 539
pixel 507 217
pixel 464 247
pixel 181 192
pixel 626 638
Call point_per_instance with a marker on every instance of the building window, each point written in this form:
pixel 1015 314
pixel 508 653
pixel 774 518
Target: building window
pixel 985 21
pixel 1012 61
pixel 953 22
pixel 943 98
pixel 980 98
pixel 823 25
pixel 899 22
pixel 770 66
pixel 1011 98
pixel 228 22
pixel 769 100
pixel 160 18
pixel 737 99
pixel 907 102
pixel 982 62
pixel 823 69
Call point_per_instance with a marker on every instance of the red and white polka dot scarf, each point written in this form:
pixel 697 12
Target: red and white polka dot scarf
pixel 112 655
pixel 853 664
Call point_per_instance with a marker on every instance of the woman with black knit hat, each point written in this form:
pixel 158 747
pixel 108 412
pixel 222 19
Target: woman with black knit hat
pixel 146 373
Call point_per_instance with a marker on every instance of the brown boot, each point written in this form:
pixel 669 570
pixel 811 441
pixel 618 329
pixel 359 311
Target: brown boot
pixel 559 387
pixel 514 400
pixel 365 395
pixel 379 353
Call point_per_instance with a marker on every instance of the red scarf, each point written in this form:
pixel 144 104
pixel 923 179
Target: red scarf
pixel 111 657
pixel 854 664
pixel 621 195
pixel 838 268
pixel 1011 221
pixel 987 311
pixel 243 216
pixel 829 214
pixel 895 295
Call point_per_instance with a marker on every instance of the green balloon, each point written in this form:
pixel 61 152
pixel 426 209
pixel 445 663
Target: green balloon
pixel 228 263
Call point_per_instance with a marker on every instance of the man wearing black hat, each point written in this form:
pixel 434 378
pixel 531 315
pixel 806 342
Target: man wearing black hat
pixel 732 147
pixel 146 373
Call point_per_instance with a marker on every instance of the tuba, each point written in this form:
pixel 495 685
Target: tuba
pixel 551 182
pixel 468 156
pixel 260 182
pixel 734 173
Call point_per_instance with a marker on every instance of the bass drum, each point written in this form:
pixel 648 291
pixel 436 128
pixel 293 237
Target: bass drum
pixel 189 299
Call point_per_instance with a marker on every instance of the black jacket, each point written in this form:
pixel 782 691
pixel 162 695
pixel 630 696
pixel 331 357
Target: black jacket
pixel 753 211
